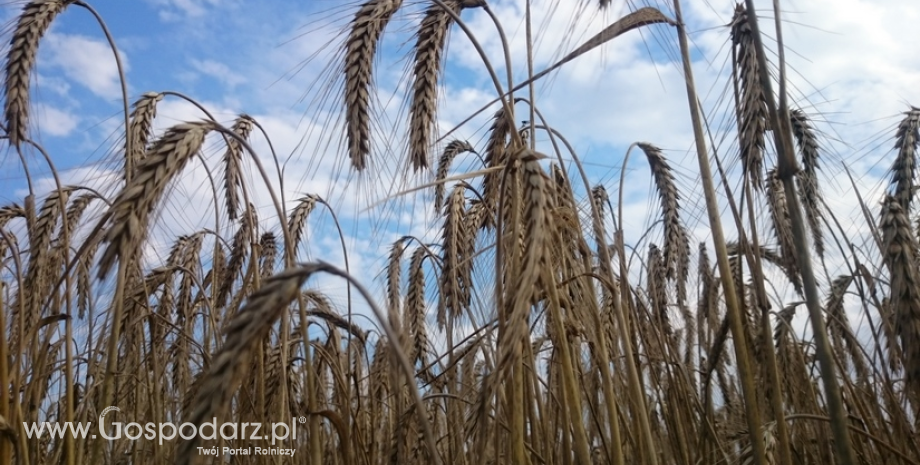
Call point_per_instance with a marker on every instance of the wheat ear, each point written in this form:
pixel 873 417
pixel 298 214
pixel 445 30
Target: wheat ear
pixel 752 106
pixel 429 48
pixel 33 22
pixel 249 326
pixel 132 208
pixel 366 29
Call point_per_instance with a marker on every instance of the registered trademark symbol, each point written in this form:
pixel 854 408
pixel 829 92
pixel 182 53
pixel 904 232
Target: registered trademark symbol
pixel 302 419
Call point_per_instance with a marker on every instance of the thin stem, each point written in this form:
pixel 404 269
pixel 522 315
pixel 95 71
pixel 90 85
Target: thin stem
pixel 787 167
pixel 733 308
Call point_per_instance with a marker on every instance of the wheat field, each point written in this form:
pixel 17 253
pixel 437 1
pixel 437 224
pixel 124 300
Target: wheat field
pixel 528 329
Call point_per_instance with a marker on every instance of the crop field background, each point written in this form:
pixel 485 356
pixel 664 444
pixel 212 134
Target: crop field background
pixel 466 232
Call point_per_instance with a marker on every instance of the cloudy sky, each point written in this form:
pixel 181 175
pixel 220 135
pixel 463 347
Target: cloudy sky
pixel 851 65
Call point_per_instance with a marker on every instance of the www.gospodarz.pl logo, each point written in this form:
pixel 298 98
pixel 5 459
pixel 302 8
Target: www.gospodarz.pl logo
pixel 166 431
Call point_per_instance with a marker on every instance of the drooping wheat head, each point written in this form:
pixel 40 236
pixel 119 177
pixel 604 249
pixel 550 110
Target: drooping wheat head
pixel 248 327
pixel 360 48
pixel 33 22
pixel 132 208
pixel 415 304
pixel 233 164
pixel 675 253
pixel 140 128
pixel 298 219
pixel 431 40
pixel 454 148
pixel 453 289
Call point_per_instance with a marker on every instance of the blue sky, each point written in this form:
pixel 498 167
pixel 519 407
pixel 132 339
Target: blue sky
pixel 262 58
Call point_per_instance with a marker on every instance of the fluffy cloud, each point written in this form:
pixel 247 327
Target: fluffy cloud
pixel 86 61
pixel 217 70
pixel 174 10
pixel 55 122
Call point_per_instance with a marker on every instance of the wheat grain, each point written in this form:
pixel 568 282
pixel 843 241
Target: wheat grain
pixel 782 227
pixel 393 272
pixel 10 212
pixel 657 294
pixel 502 125
pixel 904 169
pixel 298 219
pixel 453 258
pixel 268 244
pixel 675 251
pixel 415 307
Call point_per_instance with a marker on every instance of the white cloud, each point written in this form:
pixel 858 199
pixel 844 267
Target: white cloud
pixel 173 10
pixel 219 71
pixel 55 122
pixel 56 84
pixel 87 61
